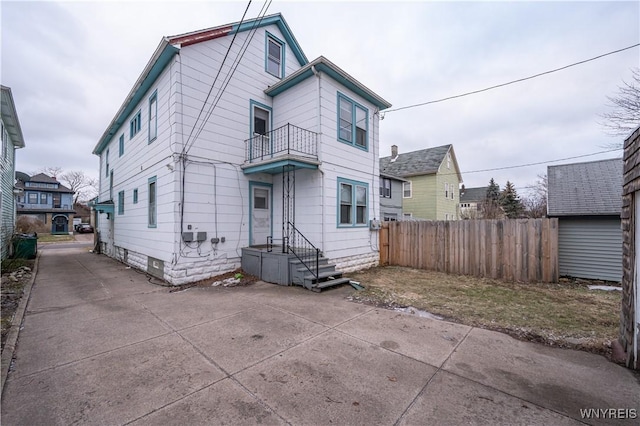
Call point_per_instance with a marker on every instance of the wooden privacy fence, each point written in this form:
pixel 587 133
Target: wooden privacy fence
pixel 524 250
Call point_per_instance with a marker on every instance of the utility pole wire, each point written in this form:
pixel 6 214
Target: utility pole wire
pixel 514 81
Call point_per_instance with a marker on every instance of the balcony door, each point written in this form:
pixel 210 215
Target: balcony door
pixel 261 136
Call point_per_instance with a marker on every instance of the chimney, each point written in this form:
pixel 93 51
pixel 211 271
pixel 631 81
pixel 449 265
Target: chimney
pixel 394 151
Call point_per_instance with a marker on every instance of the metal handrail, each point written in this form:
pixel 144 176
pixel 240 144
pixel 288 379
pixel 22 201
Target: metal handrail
pixel 307 247
pixel 285 140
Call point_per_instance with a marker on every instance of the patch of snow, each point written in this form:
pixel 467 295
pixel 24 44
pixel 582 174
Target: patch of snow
pixel 605 287
pixel 418 312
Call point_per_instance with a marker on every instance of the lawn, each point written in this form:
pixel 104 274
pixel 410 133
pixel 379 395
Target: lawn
pixel 49 238
pixel 565 314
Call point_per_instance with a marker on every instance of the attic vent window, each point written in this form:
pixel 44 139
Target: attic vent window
pixel 274 56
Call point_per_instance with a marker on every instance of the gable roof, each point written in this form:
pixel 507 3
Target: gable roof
pixel 392 177
pixel 585 189
pixel 171 45
pixel 416 163
pixel 322 64
pixel 473 195
pixel 43 178
pixel 10 117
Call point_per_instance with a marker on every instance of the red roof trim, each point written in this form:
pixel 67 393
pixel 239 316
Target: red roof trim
pixel 201 36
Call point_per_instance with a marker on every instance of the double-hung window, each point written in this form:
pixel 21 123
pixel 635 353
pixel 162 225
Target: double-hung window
pixel 353 122
pixel 274 58
pixel 153 208
pixel 353 203
pixel 153 117
pixel 33 198
pixel 406 189
pixel 135 125
pixel 121 145
pixel 106 164
pixel 3 136
pixel 385 188
pixel 446 190
pixel 43 198
pixel 121 202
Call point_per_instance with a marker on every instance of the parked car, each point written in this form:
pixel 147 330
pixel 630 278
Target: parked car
pixel 84 227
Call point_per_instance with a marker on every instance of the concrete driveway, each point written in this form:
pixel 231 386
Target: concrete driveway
pixel 101 344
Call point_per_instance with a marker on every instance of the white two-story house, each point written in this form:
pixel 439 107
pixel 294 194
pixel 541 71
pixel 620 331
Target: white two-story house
pixel 212 163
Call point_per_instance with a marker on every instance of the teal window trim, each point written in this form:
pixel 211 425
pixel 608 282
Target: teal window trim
pixel 121 145
pixel 253 184
pixel 121 202
pixel 153 116
pixel 135 124
pixel 353 137
pixel 152 220
pixel 135 196
pixel 353 215
pixel 252 105
pixel 283 47
pixel 106 164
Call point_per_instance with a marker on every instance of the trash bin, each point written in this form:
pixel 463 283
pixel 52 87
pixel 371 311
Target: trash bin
pixel 25 246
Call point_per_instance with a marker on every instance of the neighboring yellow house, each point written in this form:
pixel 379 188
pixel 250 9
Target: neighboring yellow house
pixel 433 182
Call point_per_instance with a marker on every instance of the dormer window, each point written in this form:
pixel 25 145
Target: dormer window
pixel 274 60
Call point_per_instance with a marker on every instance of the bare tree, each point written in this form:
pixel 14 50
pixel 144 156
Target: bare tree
pixel 624 116
pixel 53 171
pixel 536 203
pixel 85 187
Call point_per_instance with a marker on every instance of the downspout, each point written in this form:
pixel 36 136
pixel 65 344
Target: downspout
pixel 319 152
pixel 373 183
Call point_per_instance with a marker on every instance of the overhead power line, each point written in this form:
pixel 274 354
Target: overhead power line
pixel 537 163
pixel 513 81
pixel 184 149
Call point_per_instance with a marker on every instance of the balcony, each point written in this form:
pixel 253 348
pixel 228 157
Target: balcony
pixel 288 145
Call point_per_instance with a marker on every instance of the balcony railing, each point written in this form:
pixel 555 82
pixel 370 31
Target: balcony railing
pixel 288 140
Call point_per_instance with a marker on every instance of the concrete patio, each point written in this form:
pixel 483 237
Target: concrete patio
pixel 102 344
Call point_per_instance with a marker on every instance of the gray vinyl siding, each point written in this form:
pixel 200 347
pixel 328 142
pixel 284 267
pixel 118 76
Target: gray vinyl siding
pixel 392 205
pixel 590 248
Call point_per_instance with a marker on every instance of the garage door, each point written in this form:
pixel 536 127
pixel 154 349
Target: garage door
pixel 590 248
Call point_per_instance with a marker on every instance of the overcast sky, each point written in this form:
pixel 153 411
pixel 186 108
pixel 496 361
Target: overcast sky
pixel 71 64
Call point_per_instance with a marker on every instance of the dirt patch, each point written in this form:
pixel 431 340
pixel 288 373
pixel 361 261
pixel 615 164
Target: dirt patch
pixel 566 314
pixel 16 273
pixel 236 278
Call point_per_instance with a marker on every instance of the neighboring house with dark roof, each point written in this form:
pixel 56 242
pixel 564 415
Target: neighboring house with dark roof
pixel 286 156
pixel 45 199
pixel 12 139
pixel 433 179
pixel 391 197
pixel 471 200
pixel 587 200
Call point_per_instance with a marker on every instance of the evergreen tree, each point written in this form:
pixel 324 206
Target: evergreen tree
pixel 510 202
pixel 491 206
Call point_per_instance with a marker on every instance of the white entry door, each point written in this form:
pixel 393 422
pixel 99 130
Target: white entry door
pixel 260 214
